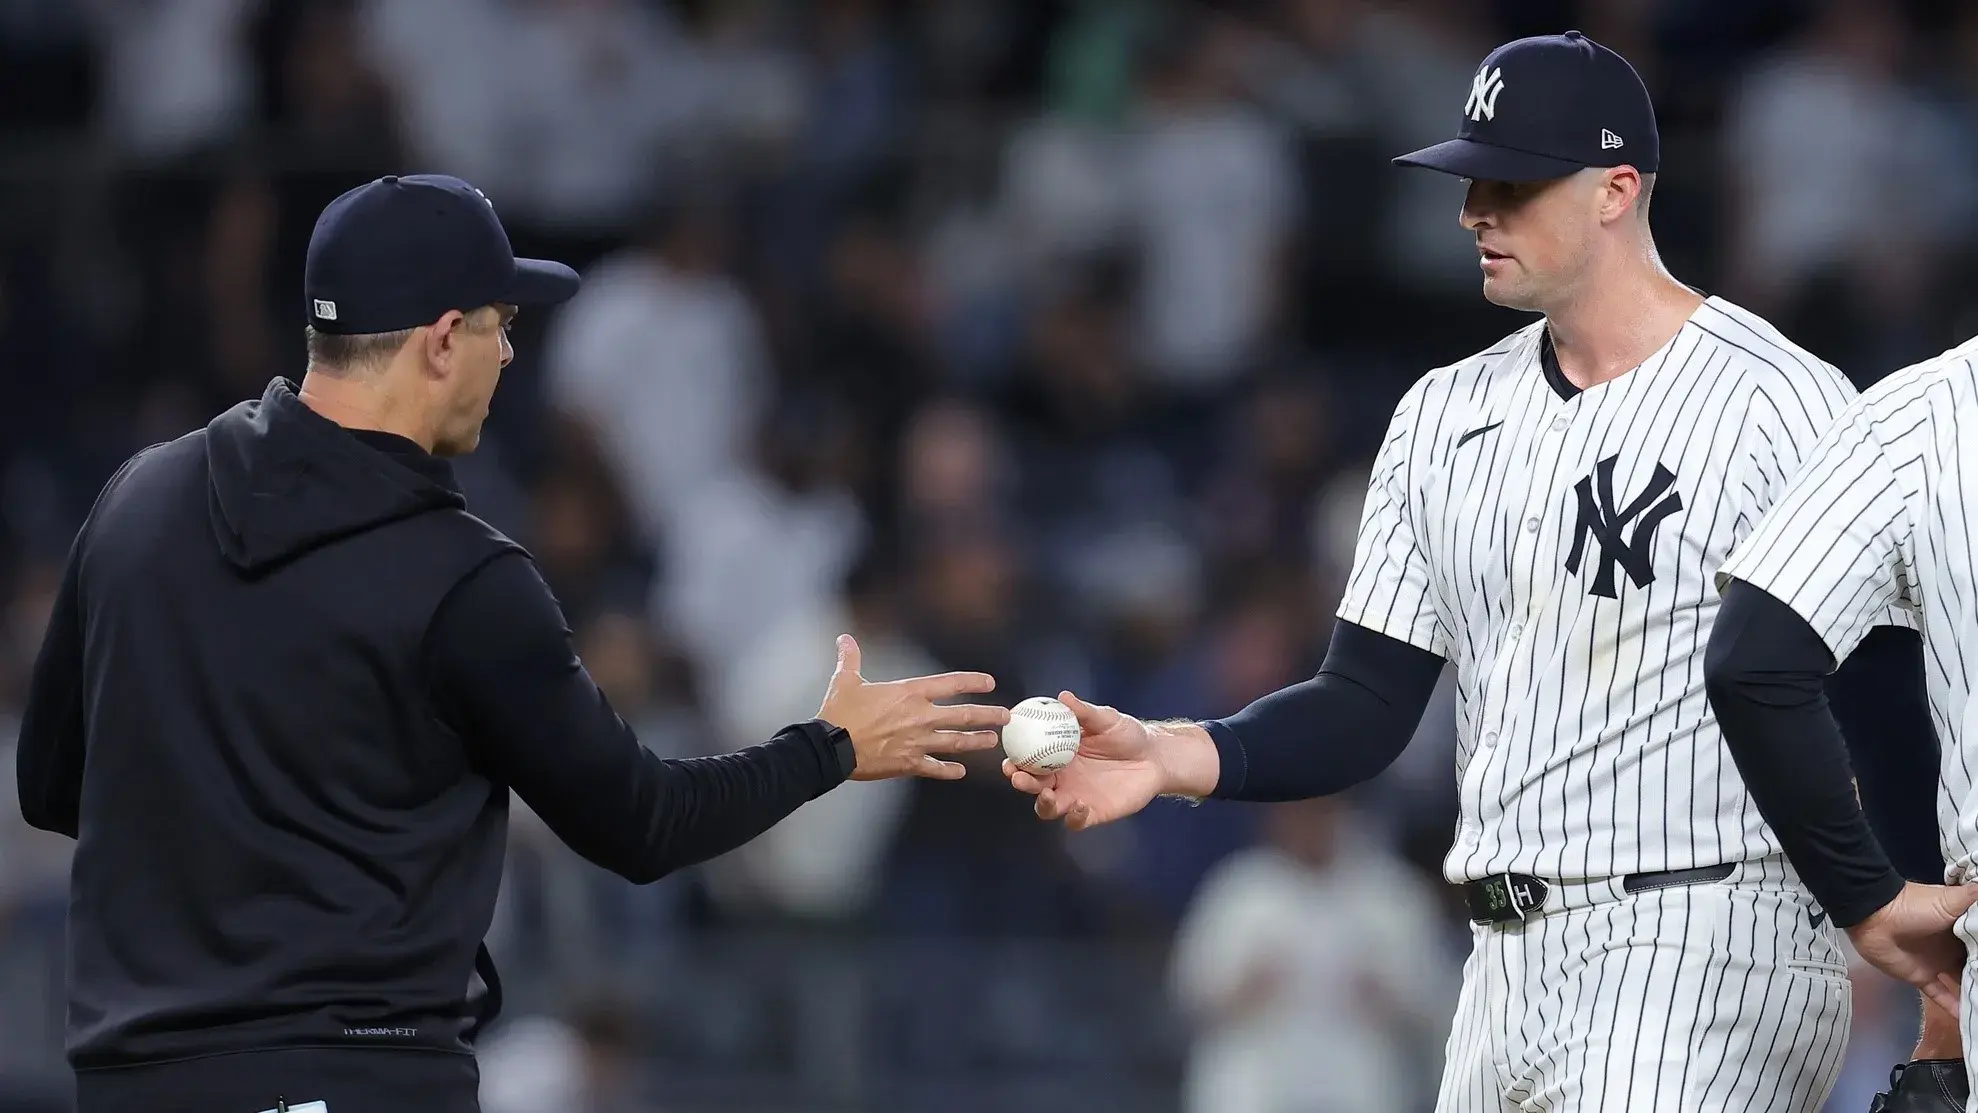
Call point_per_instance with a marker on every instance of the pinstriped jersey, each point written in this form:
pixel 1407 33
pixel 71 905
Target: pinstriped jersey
pixel 1558 547
pixel 1878 529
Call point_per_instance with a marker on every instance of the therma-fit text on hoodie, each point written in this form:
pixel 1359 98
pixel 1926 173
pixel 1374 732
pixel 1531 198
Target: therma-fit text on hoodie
pixel 287 685
pixel 1558 547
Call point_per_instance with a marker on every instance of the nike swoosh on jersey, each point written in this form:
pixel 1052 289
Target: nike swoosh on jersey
pixel 1465 438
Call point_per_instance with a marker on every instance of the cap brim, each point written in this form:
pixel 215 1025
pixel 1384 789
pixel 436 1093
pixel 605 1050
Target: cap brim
pixel 541 282
pixel 1467 158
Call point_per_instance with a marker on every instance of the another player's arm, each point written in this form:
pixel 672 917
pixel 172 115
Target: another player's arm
pixel 507 678
pixel 1826 565
pixel 1326 734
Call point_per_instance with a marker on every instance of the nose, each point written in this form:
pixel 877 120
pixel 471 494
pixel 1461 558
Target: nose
pixel 1476 212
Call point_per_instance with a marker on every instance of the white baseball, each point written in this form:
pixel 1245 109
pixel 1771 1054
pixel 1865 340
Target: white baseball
pixel 1042 735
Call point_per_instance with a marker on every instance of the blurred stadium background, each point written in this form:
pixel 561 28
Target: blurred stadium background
pixel 1049 338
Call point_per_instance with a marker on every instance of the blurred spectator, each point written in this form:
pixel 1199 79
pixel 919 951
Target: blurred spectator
pixel 868 342
pixel 179 75
pixel 613 83
pixel 583 532
pixel 1423 53
pixel 821 865
pixel 1310 971
pixel 1840 184
pixel 585 1064
pixel 323 88
pixel 1259 506
pixel 661 355
pixel 453 66
pixel 1213 198
pixel 970 858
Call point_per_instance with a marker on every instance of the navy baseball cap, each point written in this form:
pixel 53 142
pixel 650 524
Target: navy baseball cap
pixel 1545 107
pixel 398 252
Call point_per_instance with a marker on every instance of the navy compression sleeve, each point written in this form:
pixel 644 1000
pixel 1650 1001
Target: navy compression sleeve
pixel 1878 698
pixel 1765 672
pixel 1334 731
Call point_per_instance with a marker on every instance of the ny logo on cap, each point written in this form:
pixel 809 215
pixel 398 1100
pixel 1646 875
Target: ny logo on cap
pixel 1484 88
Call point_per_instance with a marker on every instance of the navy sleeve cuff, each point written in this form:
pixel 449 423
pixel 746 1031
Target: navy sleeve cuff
pixel 1234 764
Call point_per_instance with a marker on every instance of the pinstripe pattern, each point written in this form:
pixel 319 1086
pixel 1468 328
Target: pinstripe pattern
pixel 1586 744
pixel 1877 530
pixel 1504 531
pixel 1691 999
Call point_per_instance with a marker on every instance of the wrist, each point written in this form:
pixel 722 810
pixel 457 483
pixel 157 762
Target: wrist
pixel 1857 912
pixel 1186 754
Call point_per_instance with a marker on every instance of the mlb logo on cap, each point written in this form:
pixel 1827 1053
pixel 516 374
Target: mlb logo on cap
pixel 398 252
pixel 1545 107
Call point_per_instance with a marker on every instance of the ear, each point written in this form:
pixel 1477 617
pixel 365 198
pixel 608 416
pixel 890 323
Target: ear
pixel 442 339
pixel 1619 187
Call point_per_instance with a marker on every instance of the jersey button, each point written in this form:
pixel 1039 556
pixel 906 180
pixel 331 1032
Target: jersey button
pixel 1515 631
pixel 1559 424
pixel 1531 525
pixel 1490 740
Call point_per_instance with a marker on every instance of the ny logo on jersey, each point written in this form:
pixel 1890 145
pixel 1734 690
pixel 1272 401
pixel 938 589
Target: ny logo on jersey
pixel 1484 87
pixel 1599 520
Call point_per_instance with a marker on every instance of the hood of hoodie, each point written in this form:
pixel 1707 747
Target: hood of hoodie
pixel 284 480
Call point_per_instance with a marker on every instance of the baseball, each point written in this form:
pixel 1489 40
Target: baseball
pixel 1042 734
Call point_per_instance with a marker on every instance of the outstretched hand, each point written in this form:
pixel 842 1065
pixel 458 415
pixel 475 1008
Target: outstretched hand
pixel 1118 769
pixel 897 726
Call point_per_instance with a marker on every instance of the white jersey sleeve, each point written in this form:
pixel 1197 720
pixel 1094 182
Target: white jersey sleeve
pixel 1391 590
pixel 1837 547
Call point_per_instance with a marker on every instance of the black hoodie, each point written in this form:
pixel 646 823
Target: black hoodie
pixel 286 686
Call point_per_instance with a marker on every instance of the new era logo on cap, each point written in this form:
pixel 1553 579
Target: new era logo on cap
pixel 1608 140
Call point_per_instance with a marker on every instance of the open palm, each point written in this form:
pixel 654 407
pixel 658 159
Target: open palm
pixel 1115 773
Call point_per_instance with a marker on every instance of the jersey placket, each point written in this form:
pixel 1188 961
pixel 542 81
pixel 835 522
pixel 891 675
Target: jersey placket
pixel 1504 716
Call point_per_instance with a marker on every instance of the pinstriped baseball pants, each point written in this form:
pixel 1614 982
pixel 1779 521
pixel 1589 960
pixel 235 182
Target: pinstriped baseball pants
pixel 1693 999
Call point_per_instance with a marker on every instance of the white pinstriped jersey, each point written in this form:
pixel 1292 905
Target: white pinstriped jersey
pixel 1560 551
pixel 1877 530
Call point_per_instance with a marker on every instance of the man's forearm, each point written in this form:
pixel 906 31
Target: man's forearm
pixel 1765 670
pixel 509 681
pixel 1324 735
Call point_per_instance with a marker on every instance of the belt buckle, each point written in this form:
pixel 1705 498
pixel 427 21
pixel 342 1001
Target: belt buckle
pixel 1511 896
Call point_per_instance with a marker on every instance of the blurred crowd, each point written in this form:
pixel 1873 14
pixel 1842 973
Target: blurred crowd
pixel 1049 338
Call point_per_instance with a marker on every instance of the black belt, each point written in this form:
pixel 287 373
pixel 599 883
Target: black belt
pixel 1509 898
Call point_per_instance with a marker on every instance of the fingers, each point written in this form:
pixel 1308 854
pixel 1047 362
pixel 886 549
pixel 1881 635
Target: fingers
pixel 1079 817
pixel 966 716
pixel 1953 900
pixel 933 768
pixel 1050 805
pixel 950 684
pixel 849 657
pixel 1092 719
pixel 1025 780
pixel 963 741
